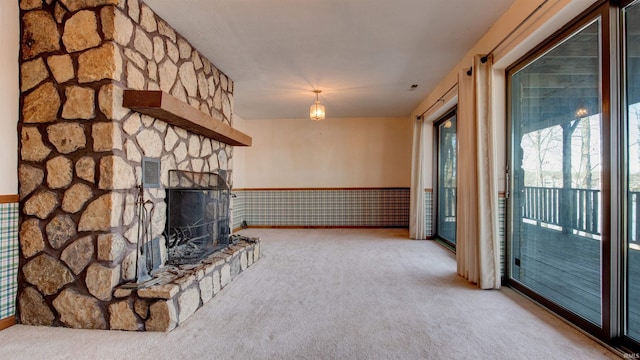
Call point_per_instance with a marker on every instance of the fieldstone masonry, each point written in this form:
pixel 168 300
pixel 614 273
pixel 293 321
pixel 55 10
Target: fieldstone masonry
pixel 80 157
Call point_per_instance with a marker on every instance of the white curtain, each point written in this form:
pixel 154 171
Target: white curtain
pixel 416 212
pixel 477 238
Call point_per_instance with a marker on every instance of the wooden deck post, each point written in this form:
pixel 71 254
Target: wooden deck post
pixel 566 217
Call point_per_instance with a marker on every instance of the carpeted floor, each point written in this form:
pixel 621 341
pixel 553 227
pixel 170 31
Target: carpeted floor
pixel 335 294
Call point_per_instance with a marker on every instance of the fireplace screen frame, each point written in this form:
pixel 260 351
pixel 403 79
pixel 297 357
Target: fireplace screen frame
pixel 198 215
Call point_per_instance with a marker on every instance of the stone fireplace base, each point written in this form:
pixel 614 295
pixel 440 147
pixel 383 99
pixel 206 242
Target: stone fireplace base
pixel 181 290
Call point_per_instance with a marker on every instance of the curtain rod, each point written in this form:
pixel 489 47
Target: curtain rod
pixel 437 101
pixel 484 58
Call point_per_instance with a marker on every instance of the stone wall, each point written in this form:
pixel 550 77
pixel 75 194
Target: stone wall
pixel 80 151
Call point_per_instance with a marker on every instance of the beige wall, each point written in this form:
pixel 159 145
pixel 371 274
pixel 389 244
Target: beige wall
pixel 9 94
pixel 301 153
pixel 238 156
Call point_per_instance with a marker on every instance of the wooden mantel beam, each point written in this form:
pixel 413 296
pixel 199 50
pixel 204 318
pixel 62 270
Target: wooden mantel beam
pixel 163 106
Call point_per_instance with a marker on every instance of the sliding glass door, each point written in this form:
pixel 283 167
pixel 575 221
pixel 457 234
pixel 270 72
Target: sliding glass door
pixel 445 132
pixel 557 157
pixel 574 210
pixel 631 21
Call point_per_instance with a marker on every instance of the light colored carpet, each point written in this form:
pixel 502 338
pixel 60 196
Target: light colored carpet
pixel 335 294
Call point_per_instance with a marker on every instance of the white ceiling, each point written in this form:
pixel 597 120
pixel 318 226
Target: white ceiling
pixel 363 54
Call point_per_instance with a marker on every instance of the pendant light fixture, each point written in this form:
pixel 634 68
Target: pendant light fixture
pixel 316 112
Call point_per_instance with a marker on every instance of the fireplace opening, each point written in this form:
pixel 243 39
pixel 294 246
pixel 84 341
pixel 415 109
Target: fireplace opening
pixel 197 216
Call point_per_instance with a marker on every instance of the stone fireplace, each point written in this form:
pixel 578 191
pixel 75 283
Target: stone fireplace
pixel 82 235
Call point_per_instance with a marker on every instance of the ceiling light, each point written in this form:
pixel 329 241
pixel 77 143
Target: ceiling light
pixel 316 112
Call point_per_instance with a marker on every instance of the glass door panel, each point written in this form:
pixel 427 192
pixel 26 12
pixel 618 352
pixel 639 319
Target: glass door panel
pixel 632 69
pixel 556 160
pixel 446 196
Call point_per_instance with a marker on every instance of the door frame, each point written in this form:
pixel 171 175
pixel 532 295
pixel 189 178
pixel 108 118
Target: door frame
pixel 605 12
pixel 436 167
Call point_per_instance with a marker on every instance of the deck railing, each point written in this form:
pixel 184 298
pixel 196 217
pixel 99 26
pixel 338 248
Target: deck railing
pixel 634 216
pixel 569 209
pixel 581 210
pixel 447 205
pixel 541 204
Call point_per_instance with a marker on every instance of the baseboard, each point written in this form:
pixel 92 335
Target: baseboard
pixel 7 322
pixel 445 245
pixel 9 199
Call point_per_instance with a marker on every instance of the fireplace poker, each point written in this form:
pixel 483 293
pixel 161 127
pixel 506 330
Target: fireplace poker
pixel 145 232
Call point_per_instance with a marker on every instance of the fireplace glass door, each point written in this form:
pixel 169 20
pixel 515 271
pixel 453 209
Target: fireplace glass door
pixel 197 216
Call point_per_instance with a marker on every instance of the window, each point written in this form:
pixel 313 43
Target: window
pixel 445 197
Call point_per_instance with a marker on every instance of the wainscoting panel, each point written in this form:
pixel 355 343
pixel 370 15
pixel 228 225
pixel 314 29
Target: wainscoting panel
pixel 428 214
pixel 8 257
pixel 237 209
pixel 357 207
pixel 338 207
